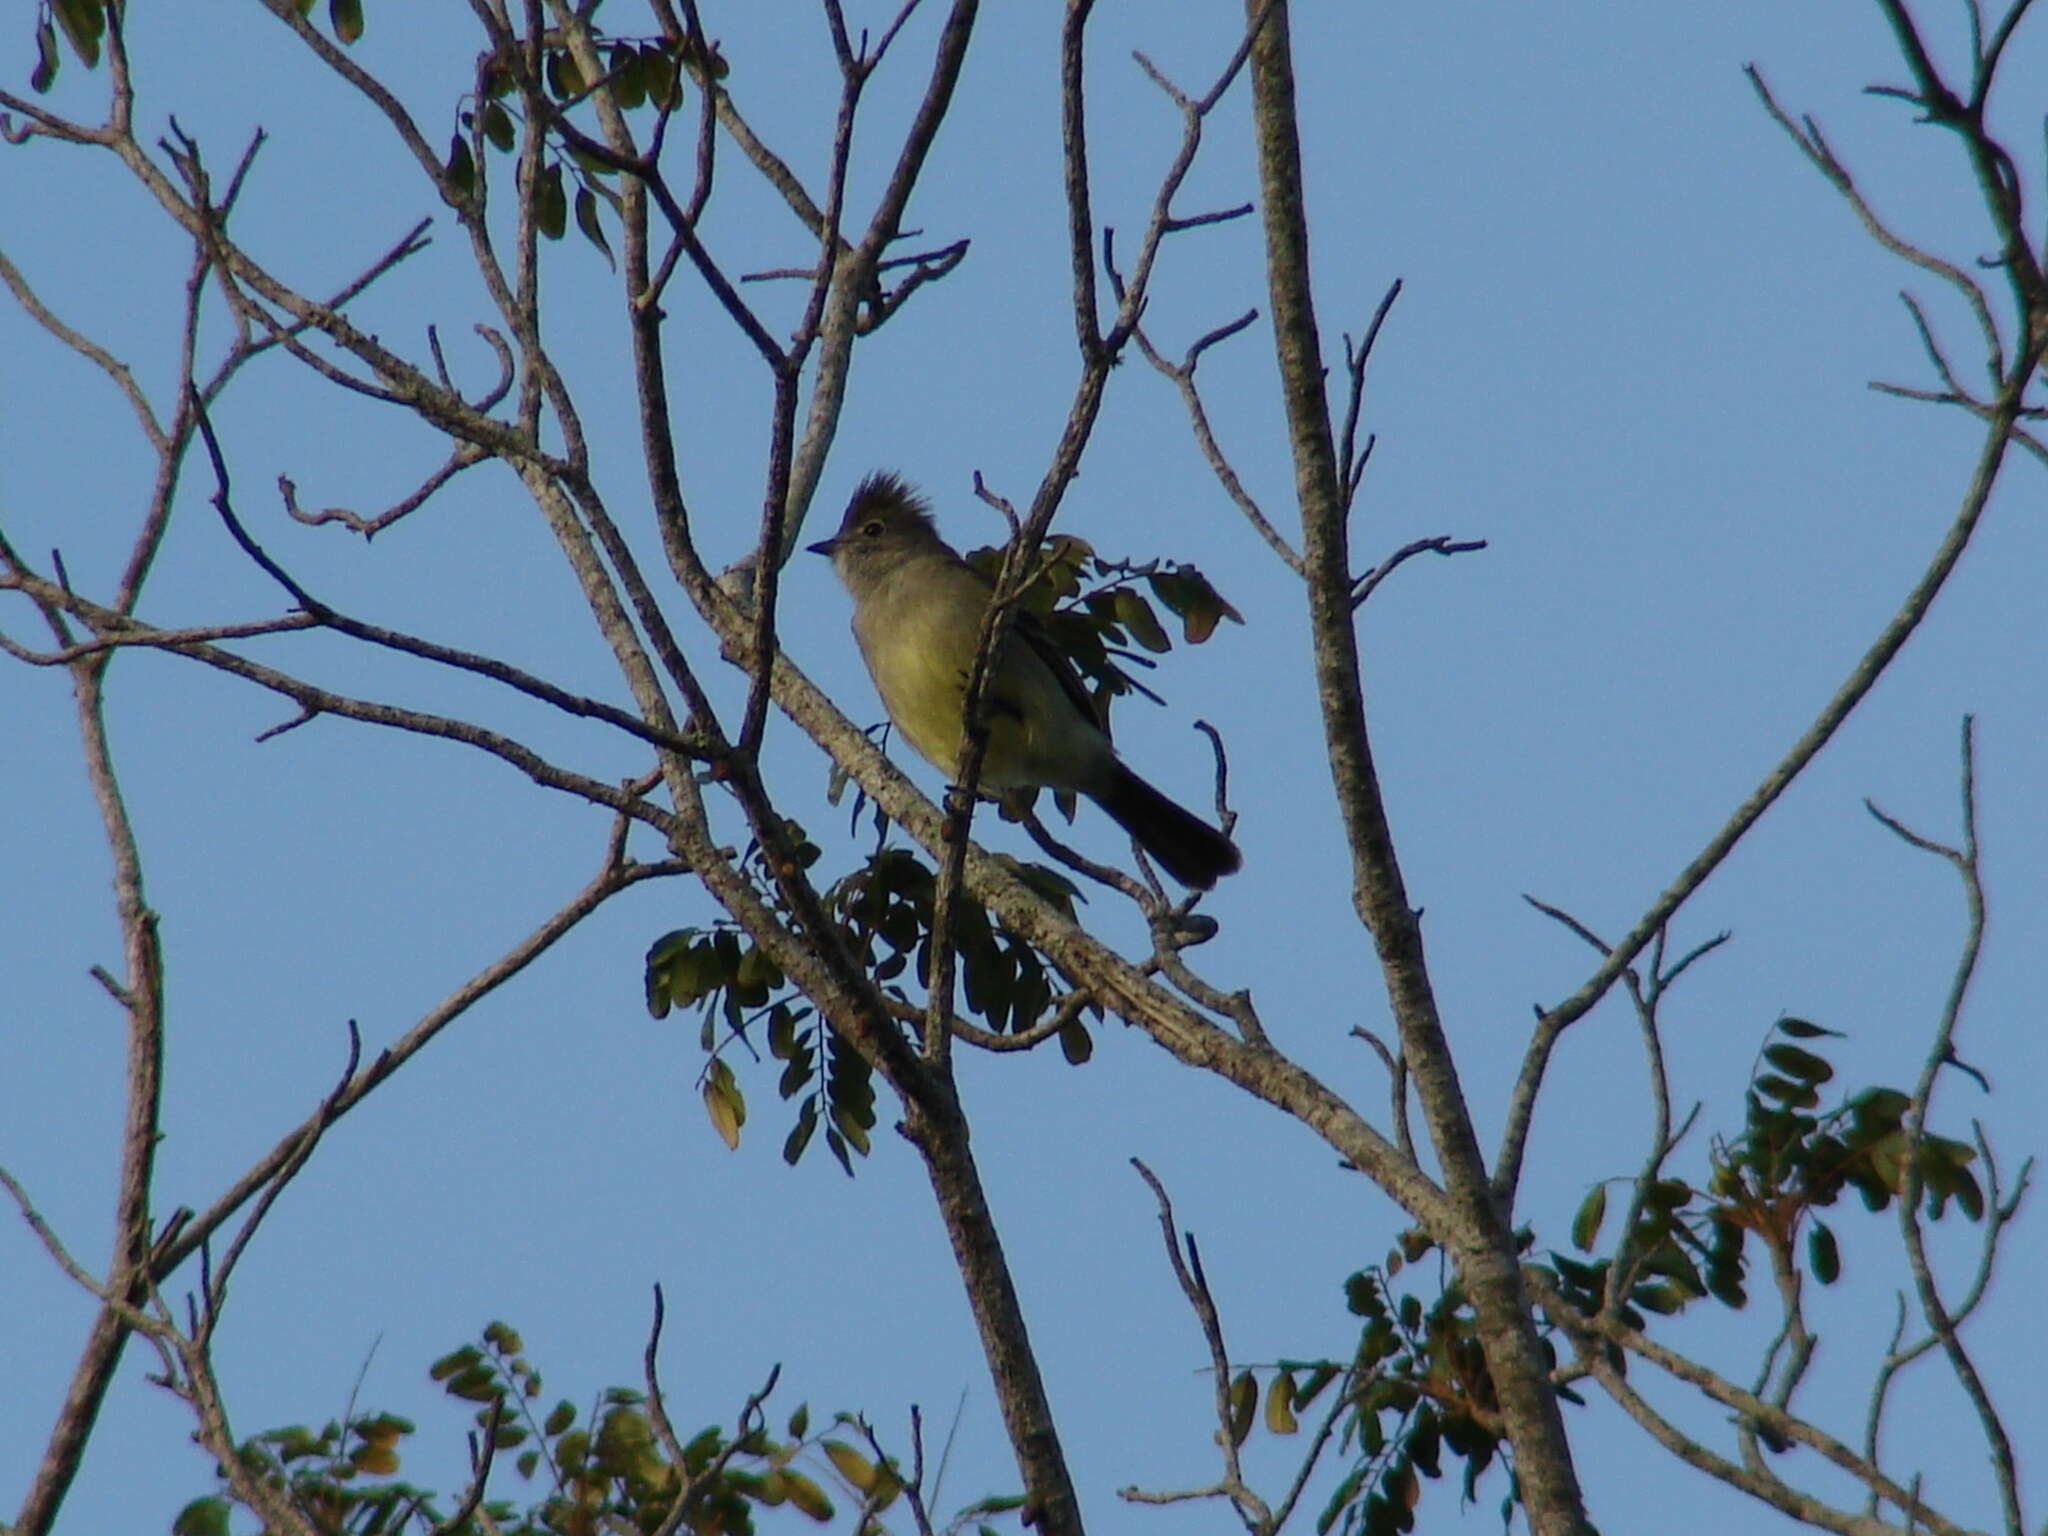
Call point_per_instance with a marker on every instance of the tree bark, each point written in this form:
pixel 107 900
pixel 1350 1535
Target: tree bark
pixel 1478 1236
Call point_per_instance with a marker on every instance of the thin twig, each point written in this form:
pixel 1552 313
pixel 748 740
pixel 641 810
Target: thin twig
pixel 1941 1053
pixel 1195 1287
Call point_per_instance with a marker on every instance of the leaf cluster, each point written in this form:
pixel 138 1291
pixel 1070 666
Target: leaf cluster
pixel 605 1472
pixel 885 910
pixel 734 983
pixel 1095 611
pixel 338 1478
pixel 1417 1385
pixel 638 73
pixel 1414 1388
pixel 1790 1160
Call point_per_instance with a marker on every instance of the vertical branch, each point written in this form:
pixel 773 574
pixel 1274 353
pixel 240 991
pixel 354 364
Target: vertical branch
pixel 1941 1053
pixel 1480 1238
pixel 140 994
pixel 937 1128
pixel 1074 160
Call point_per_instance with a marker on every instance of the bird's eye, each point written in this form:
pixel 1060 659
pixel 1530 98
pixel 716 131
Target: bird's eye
pixel 872 529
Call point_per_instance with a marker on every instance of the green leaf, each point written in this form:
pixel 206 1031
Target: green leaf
pixel 84 23
pixel 461 165
pixel 1823 1255
pixel 665 957
pixel 1668 1194
pixel 836 1144
pixel 1362 1295
pixel 660 78
pixel 1425 1442
pixel 1792 1095
pixel 847 1118
pixel 1968 1195
pixel 1136 615
pixel 346 17
pixel 202 1517
pixel 586 220
pixel 563 1416
pixel 551 204
pixel 800 1421
pixel 1888 1160
pixel 806 1495
pixel 1660 1298
pixel 383 1429
pixel 1586 1224
pixel 1346 1491
pixel 45 74
pixel 571 1450
pixel 1881 1105
pixel 1311 1389
pixel 498 127
pixel 455 1360
pixel 1244 1406
pixel 1076 1044
pixel 800 1136
pixel 1801 1029
pixel 1200 606
pixel 628 76
pixel 565 79
pixel 1794 1062
pixel 477 1384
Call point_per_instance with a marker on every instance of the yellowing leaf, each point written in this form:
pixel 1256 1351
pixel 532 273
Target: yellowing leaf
pixel 806 1495
pixel 850 1464
pixel 377 1459
pixel 1586 1224
pixel 1280 1418
pixel 724 1104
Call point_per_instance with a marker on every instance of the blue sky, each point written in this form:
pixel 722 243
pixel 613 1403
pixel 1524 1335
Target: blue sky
pixel 1631 353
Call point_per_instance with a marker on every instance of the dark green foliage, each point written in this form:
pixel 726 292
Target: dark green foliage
pixel 1415 1391
pixel 1093 610
pixel 885 908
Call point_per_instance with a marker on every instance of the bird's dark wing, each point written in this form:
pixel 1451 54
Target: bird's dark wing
pixel 1032 633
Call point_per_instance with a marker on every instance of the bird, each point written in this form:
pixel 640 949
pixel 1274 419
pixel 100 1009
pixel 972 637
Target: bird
pixel 917 614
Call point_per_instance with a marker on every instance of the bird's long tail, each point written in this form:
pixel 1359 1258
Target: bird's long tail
pixel 1187 847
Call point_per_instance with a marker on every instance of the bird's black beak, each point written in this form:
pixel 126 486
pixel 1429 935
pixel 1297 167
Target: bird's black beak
pixel 822 547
